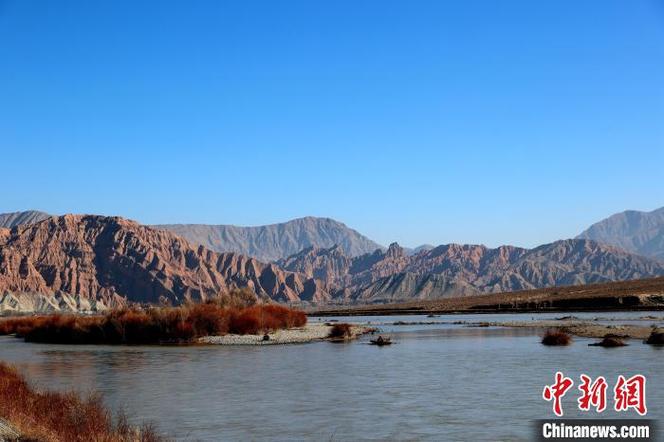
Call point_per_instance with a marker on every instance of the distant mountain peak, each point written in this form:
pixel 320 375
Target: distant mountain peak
pixel 395 251
pixel 632 230
pixel 13 219
pixel 276 241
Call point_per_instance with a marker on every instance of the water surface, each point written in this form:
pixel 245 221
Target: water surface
pixel 441 381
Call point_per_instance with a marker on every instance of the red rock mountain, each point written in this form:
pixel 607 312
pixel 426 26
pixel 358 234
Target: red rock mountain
pixel 76 258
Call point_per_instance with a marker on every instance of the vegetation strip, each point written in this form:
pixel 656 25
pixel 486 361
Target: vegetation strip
pixel 183 324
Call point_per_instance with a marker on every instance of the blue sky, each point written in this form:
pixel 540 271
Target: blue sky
pixel 512 122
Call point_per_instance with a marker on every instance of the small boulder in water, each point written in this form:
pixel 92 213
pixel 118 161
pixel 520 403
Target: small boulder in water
pixel 655 338
pixel 610 341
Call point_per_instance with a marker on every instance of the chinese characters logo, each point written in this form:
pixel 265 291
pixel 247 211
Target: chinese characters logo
pixel 627 393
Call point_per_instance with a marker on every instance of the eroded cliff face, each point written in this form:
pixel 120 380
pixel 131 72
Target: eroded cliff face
pixel 110 260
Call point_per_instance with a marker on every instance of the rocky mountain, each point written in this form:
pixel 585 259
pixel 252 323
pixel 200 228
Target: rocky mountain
pixel 89 262
pixel 637 232
pixel 275 241
pixel 13 219
pixel 77 261
pixel 463 270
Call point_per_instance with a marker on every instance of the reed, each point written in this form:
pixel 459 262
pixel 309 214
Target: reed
pixel 155 325
pixel 55 416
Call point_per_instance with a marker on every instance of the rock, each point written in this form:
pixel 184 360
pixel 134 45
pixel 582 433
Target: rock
pixel 609 341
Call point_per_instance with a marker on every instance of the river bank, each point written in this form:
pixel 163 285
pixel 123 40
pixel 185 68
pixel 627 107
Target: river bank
pixel 637 295
pixel 584 329
pixel 300 335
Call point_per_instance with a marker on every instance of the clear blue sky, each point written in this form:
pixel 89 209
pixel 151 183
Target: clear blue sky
pixel 492 122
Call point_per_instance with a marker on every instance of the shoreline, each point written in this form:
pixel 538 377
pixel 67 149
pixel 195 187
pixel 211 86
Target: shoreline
pixel 300 335
pixel 634 295
pixel 579 328
pixel 506 311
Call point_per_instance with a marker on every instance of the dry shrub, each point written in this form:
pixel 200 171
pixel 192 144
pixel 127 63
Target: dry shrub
pixel 238 298
pixel 11 325
pixel 341 330
pixel 156 325
pixel 208 319
pixel 556 337
pixel 53 416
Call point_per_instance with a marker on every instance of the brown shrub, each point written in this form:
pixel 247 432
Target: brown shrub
pixel 53 416
pixel 12 325
pixel 341 330
pixel 208 319
pixel 556 337
pixel 245 321
pixel 155 325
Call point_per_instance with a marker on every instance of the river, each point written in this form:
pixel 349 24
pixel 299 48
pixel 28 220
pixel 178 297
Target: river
pixel 441 381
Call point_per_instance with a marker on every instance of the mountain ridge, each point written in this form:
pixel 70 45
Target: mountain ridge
pixel 316 274
pixel 267 242
pixel 275 241
pixel 13 219
pixel 466 269
pixel 635 231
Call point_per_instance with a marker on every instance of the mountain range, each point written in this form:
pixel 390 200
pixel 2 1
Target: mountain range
pixel 87 262
pixel 463 270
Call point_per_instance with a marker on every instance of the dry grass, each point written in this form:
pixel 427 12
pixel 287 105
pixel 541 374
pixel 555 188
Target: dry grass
pixel 556 337
pixel 54 417
pixel 153 326
pixel 340 331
